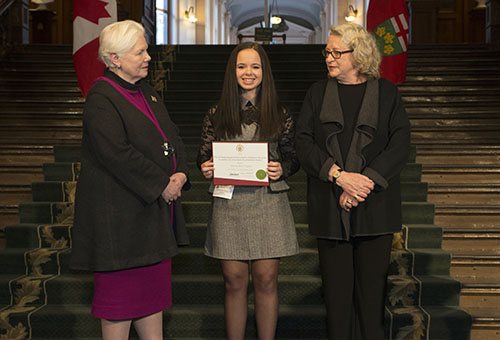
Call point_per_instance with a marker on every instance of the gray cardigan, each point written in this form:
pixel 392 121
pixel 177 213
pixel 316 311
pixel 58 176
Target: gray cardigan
pixel 121 220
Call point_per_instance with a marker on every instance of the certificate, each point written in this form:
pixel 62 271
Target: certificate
pixel 240 163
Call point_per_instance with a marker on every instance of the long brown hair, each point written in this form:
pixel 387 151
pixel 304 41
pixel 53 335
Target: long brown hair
pixel 227 115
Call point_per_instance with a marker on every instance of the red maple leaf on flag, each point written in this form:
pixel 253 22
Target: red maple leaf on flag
pixel 92 10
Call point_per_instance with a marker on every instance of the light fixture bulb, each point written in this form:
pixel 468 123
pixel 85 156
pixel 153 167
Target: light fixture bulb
pixel 275 20
pixel 189 15
pixel 351 14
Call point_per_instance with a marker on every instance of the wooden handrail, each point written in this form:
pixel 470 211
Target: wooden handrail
pixel 5 4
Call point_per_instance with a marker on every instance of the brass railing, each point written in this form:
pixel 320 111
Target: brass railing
pixel 160 68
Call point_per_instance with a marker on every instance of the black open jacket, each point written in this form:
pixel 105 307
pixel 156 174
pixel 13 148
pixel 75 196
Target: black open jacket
pixel 379 149
pixel 121 220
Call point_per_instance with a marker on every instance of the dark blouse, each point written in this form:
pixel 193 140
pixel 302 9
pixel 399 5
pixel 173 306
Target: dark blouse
pixel 351 97
pixel 249 115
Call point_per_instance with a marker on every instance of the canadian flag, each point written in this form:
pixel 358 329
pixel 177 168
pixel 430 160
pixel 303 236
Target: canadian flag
pixel 388 21
pixel 89 18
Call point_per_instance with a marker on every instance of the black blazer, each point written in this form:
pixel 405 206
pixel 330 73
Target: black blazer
pixel 121 220
pixel 379 149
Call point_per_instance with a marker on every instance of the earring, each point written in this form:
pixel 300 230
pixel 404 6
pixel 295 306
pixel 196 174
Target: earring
pixel 119 66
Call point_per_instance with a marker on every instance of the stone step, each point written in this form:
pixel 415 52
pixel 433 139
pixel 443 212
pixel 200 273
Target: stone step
pixel 54 191
pixel 33 114
pixel 198 212
pixel 459 155
pixel 55 102
pixel 71 153
pixel 421 134
pixel 418 116
pixel 314 62
pixel 8 216
pixel 14 82
pixel 61 93
pixel 42 141
pixel 189 124
pixel 13 194
pixel 467 216
pixel 416 261
pixel 465 173
pixel 429 139
pixel 472 265
pixel 20 174
pixel 67 131
pixel 68 171
pixel 315 75
pixel 479 240
pixel 31 118
pixel 294 290
pixel 407 92
pixel 50 135
pixel 412 82
pixel 421 236
pixel 483 295
pixel 486 323
pixel 314 59
pixel 294 322
pixel 39 74
pixel 463 194
pixel 449 110
pixel 446 124
pixel 25 155
pixel 439 136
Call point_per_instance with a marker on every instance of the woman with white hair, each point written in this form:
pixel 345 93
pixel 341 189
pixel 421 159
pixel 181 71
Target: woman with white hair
pixel 128 217
pixel 353 139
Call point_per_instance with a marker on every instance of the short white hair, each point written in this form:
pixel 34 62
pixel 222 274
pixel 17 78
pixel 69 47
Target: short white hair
pixel 118 38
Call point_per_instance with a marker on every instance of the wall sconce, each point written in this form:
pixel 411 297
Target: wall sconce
pixel 351 13
pixel 189 15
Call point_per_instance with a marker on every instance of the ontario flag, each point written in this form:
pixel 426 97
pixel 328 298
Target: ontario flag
pixel 89 18
pixel 388 21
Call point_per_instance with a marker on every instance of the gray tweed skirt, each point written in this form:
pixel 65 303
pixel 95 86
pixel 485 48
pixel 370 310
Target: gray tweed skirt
pixel 254 224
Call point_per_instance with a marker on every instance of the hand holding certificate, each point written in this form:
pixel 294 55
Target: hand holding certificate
pixel 240 163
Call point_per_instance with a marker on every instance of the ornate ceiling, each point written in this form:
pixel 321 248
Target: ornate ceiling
pixel 302 12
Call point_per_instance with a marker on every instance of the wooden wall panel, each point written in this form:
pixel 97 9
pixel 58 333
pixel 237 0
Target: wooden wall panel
pixel 423 21
pixel 446 21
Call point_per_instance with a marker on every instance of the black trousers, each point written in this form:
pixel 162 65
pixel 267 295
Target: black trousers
pixel 354 275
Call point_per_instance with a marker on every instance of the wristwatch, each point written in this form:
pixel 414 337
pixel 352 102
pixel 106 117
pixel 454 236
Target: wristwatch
pixel 336 173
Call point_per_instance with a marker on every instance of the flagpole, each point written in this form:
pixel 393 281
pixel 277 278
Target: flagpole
pixel 266 14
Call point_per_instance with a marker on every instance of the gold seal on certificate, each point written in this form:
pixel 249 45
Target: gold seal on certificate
pixel 240 163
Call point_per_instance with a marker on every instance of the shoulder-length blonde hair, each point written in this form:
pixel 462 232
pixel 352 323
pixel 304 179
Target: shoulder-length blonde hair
pixel 119 38
pixel 365 52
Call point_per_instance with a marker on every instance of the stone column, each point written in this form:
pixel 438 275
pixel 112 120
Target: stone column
pixel 493 22
pixel 19 22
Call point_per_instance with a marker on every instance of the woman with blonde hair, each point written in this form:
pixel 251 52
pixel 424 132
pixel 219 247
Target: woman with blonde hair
pixel 353 139
pixel 128 217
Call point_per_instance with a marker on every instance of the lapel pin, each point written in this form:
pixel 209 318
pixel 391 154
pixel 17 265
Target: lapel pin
pixel 153 98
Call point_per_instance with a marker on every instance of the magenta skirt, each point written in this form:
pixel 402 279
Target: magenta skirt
pixel 132 293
